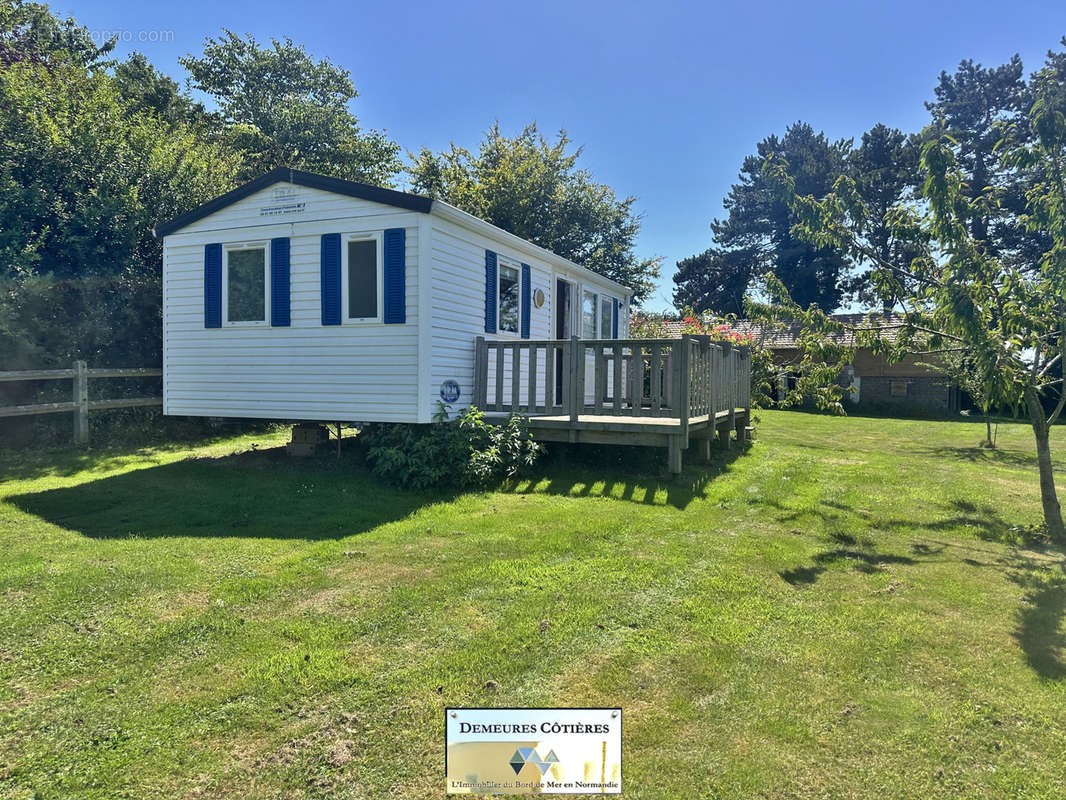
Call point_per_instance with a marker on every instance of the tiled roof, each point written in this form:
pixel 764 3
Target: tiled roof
pixel 785 337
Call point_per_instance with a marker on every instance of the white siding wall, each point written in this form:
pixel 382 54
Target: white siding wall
pixel 458 307
pixel 351 372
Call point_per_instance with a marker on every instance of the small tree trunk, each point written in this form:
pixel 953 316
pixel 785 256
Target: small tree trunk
pixel 1048 498
pixel 988 428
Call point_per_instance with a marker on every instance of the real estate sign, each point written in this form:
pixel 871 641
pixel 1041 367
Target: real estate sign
pixel 533 750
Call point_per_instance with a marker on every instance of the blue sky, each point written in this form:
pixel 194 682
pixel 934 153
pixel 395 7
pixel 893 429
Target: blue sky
pixel 666 98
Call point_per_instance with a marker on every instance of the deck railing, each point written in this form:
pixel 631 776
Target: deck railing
pixel 680 378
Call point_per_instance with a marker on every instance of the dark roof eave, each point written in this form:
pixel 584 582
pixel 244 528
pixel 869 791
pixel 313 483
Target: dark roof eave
pixel 363 191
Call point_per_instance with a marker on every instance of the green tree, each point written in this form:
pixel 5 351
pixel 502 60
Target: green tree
pixel 970 107
pixel 144 88
pixel 83 180
pixel 983 387
pixel 279 107
pixel 715 280
pixel 885 169
pixel 758 231
pixel 30 32
pixel 965 296
pixel 534 189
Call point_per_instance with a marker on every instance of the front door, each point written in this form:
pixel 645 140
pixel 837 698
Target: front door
pixel 563 300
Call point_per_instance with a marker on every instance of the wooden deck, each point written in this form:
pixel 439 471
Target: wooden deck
pixel 651 392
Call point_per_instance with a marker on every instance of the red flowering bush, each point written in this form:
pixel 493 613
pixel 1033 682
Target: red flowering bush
pixel 718 331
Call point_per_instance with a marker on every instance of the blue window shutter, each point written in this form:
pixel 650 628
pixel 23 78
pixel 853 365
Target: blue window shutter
pixel 395 280
pixel 331 279
pixel 614 319
pixel 525 301
pixel 279 282
pixel 490 292
pixel 213 286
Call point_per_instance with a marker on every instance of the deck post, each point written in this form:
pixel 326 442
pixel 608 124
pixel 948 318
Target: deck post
pixel 740 420
pixel 674 451
pixel 549 378
pixel 704 447
pixel 636 368
pixel 498 406
pixel 684 385
pixel 617 391
pixel 81 401
pixel 599 378
pixel 733 355
pixel 564 377
pixel 481 372
pixel 669 397
pixel 516 378
pixel 714 381
pixel 656 380
pixel 531 382
pixel 723 432
pixel 577 378
pixel 745 377
pixel 706 348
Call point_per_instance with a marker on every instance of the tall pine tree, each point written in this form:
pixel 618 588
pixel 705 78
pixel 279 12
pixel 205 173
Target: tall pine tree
pixel 756 236
pixel 885 170
pixel 973 106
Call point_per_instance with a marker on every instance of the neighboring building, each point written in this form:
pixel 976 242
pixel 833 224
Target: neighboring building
pixel 876 382
pixel 302 297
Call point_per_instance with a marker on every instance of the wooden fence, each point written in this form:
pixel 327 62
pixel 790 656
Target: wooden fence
pixel 681 378
pixel 80 403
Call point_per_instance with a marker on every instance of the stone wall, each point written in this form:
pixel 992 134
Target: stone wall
pixel 930 393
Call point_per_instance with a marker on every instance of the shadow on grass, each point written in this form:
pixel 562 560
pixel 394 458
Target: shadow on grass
pixel 1040 633
pixel 987 455
pixel 1038 570
pixel 257 494
pixel 1041 619
pixel 633 474
pixel 266 494
pixel 67 460
pixel 956 516
pixel 867 561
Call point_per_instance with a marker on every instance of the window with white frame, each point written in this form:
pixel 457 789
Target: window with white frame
pixel 361 275
pixel 245 285
pixel 508 299
pixel 606 314
pixel 589 303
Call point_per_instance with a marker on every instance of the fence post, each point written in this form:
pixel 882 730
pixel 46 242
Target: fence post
pixel 81 399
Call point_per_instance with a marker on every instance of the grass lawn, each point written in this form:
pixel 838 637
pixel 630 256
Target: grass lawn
pixel 841 611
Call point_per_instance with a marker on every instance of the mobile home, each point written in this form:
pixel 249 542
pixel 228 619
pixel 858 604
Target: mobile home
pixel 304 297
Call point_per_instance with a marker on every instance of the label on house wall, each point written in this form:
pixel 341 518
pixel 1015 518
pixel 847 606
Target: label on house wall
pixel 533 750
pixel 449 391
pixel 284 200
